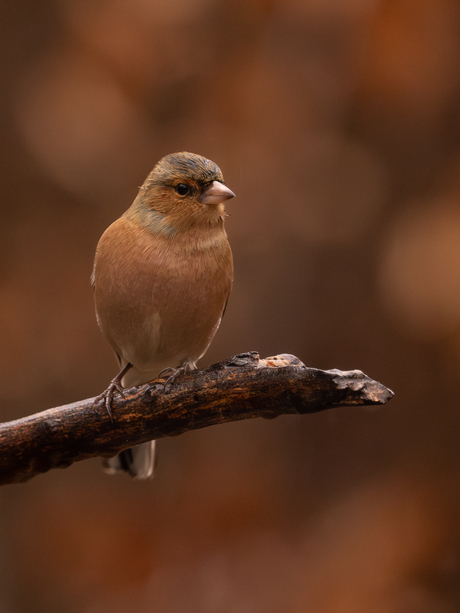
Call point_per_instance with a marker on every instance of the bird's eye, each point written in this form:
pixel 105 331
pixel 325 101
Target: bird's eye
pixel 182 189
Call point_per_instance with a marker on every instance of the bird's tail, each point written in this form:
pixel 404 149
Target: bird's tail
pixel 139 461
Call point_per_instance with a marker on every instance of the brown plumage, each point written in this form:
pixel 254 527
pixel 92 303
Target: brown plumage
pixel 162 275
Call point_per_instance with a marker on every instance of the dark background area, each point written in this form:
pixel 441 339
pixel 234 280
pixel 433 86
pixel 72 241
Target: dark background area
pixel 337 124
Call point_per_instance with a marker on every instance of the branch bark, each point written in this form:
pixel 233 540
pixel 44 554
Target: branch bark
pixel 241 387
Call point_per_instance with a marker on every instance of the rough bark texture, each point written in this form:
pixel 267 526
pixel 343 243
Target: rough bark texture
pixel 241 387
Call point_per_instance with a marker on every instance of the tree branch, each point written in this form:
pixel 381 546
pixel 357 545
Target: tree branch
pixel 241 387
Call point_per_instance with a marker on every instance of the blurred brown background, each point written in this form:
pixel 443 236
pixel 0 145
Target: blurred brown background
pixel 337 124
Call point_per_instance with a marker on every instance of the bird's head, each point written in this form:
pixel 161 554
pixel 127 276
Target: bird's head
pixel 185 189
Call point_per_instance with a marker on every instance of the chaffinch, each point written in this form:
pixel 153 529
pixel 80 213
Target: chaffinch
pixel 162 276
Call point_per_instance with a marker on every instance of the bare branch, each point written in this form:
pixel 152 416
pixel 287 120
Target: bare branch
pixel 241 387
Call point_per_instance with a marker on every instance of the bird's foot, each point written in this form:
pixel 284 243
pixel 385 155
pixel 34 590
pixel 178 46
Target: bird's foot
pixel 114 386
pixel 172 374
pixel 107 396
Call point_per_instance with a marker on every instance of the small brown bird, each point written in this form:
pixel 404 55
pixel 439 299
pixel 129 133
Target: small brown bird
pixel 162 276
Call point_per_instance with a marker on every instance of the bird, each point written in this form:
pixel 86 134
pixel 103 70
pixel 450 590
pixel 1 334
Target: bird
pixel 162 276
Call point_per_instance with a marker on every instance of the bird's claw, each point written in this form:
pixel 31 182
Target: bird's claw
pixel 114 386
pixel 107 396
pixel 172 374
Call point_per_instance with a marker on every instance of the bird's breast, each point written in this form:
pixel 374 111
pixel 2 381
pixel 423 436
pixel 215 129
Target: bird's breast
pixel 160 298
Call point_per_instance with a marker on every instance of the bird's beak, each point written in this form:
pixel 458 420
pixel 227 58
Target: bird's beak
pixel 216 193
